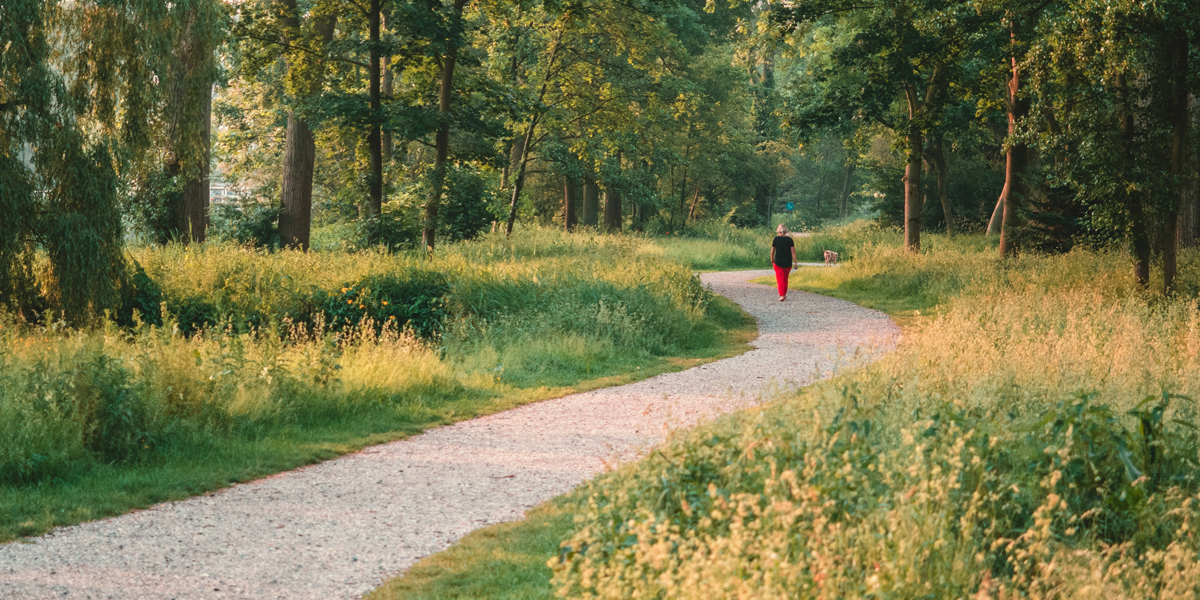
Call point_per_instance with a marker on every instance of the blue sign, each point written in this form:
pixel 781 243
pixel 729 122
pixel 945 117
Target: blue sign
pixel 791 205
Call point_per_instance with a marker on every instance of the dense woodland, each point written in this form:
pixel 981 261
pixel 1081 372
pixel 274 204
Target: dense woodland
pixel 404 123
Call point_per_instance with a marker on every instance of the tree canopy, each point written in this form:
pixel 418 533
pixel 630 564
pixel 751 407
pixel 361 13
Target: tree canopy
pixel 1048 122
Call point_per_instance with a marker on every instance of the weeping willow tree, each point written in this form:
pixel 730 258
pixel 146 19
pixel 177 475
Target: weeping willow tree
pixel 94 95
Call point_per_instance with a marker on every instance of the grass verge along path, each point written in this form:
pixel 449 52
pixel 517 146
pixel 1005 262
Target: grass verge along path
pixel 196 466
pixel 337 529
pixel 510 560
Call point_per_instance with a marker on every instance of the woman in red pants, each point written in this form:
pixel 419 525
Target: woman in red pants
pixel 783 258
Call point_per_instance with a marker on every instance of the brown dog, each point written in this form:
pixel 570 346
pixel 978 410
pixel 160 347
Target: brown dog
pixel 830 257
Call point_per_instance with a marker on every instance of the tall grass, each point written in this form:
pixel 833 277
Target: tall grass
pixel 718 246
pixel 255 346
pixel 1036 438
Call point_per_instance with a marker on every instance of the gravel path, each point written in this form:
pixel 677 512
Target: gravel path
pixel 340 528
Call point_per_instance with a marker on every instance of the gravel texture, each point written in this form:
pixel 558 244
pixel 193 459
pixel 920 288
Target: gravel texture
pixel 340 528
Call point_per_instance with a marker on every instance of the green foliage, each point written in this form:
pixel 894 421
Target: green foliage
pixel 414 298
pixel 78 96
pixel 467 211
pixel 150 201
pixel 87 408
pixel 252 224
pixel 255 343
pixel 141 299
pixel 719 246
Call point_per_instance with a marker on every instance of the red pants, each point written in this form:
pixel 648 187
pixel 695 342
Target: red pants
pixel 781 279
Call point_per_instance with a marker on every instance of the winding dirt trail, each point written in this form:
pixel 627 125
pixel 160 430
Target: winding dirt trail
pixel 340 528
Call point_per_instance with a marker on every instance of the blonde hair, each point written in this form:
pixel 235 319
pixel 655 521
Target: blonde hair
pixel 782 229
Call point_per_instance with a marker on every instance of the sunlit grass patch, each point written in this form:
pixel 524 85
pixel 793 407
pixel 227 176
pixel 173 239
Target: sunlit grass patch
pixel 268 361
pixel 506 561
pixel 1033 436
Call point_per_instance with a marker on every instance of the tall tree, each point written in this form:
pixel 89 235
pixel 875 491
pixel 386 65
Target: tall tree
pixel 304 45
pixel 1112 80
pixel 525 146
pixel 570 201
pixel 613 216
pixel 80 101
pixel 188 114
pixel 885 50
pixel 375 135
pixel 449 56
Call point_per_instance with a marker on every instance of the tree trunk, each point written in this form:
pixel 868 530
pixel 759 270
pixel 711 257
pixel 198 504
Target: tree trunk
pixel 1188 213
pixel 375 137
pixel 682 199
pixel 295 216
pixel 442 142
pixel 612 210
pixel 387 87
pixel 695 204
pixel 939 163
pixel 569 202
pixel 514 156
pixel 188 126
pixel 299 156
pixel 1180 49
pixel 191 216
pixel 1015 163
pixel 845 203
pixel 1139 238
pixel 912 194
pixel 519 182
pixel 1189 205
pixel 591 203
pixel 993 227
pixel 915 145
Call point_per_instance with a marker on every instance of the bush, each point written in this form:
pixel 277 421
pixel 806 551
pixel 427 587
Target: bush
pixel 67 407
pixel 392 231
pixel 252 223
pixel 415 298
pixel 116 421
pixel 466 213
pixel 140 296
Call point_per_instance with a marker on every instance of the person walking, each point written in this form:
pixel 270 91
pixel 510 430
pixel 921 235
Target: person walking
pixel 783 258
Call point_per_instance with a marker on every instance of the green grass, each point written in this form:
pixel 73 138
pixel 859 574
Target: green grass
pixel 716 246
pixel 893 294
pixel 98 422
pixel 502 562
pixel 1022 423
pixel 1032 436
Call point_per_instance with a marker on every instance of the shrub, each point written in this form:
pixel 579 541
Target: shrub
pixel 251 223
pixel 116 422
pixel 413 298
pixel 140 295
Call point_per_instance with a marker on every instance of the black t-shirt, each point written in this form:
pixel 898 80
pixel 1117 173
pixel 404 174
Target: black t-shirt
pixel 783 251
